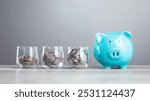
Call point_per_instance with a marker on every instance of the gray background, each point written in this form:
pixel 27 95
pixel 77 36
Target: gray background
pixel 72 23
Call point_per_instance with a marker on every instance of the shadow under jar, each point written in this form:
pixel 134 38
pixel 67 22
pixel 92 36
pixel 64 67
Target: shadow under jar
pixel 27 56
pixel 52 56
pixel 77 57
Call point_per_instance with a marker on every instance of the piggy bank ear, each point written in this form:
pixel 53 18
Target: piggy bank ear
pixel 127 34
pixel 99 37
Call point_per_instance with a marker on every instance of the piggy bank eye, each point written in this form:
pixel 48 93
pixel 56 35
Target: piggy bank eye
pixel 109 41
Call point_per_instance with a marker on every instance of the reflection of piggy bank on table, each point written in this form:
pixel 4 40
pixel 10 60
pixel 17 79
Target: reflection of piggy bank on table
pixel 113 49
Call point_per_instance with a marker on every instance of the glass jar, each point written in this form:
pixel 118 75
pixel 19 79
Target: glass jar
pixel 52 56
pixel 78 57
pixel 27 56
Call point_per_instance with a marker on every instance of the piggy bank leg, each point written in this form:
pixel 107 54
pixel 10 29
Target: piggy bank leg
pixel 106 67
pixel 124 67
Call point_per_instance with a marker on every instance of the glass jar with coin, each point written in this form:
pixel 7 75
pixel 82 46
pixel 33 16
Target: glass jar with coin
pixel 27 56
pixel 52 56
pixel 77 57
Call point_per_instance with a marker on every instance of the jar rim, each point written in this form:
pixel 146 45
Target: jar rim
pixel 52 46
pixel 27 46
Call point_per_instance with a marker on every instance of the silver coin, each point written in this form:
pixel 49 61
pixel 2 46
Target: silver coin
pixel 77 57
pixel 27 60
pixel 50 59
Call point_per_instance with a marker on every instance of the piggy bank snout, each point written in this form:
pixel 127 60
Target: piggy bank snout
pixel 114 53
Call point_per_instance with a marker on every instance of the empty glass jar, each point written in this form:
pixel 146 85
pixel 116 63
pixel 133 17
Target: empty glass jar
pixel 78 57
pixel 52 56
pixel 27 56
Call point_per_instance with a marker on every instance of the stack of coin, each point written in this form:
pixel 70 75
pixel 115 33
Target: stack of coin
pixel 50 59
pixel 27 60
pixel 78 57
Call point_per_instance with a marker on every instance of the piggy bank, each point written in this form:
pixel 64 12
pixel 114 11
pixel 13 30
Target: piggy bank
pixel 113 49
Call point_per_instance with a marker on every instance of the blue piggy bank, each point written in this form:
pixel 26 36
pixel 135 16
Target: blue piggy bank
pixel 113 49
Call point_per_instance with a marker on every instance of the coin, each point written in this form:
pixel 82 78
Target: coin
pixel 27 60
pixel 50 59
pixel 77 57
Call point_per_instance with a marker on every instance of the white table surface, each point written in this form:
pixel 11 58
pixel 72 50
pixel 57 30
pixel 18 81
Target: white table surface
pixel 10 74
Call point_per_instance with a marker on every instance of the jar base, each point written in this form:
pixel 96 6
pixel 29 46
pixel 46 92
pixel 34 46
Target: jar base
pixel 60 65
pixel 27 66
pixel 78 66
